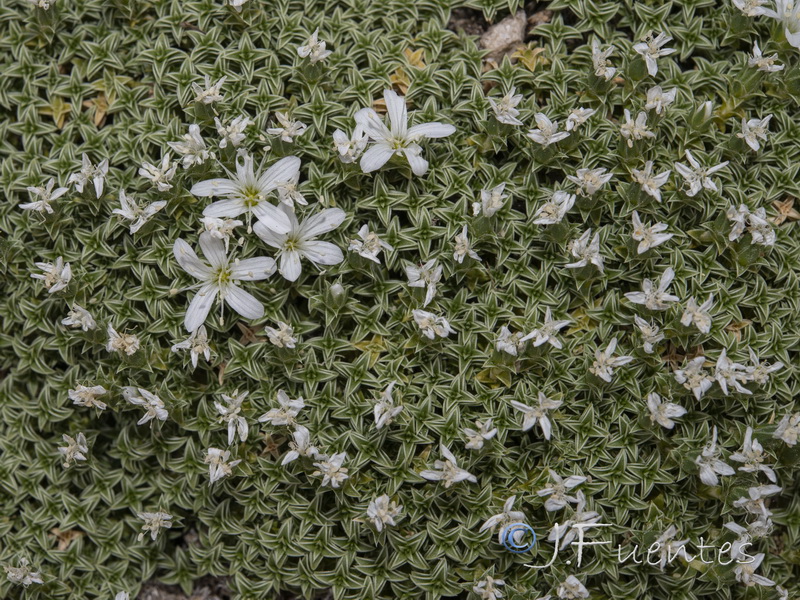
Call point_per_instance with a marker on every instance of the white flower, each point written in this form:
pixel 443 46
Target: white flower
pixel 432 325
pixel 160 176
pixel 649 237
pixel 507 517
pixel 381 511
pixel 652 48
pixel 788 429
pixel 154 523
pixel 753 457
pixel 745 572
pixel 232 134
pixel 694 377
pixel 23 575
pixel 314 49
pixel 754 502
pixel 491 201
pixel 759 372
pixel 300 446
pixel 568 531
pixel 577 117
pixel 385 410
pixel 650 183
pixel 300 240
pixel 56 276
pixel 788 13
pixel 546 131
pixel 728 373
pixel 288 192
pixel 655 298
pixel 699 315
pixel 547 332
pixel 289 128
pixel 760 229
pixel 651 334
pixel 75 450
pixel 221 278
pixel 447 470
pixel 512 343
pixel 739 218
pixel 122 596
pixel 89 172
pixel 476 437
pixel 697 177
pixel 463 247
pixel 88 396
pixel 283 336
pixel 505 110
pixel 669 548
pixel 586 251
pixel 139 214
pixel 152 404
pixel 399 138
pixel 710 464
pixel 590 181
pixel 126 343
pixel 635 130
pixel 532 414
pixel 45 194
pixel 600 61
pixel 754 8
pixel 425 276
pixel 755 129
pixel 331 469
pixel 218 465
pixel 237 4
pixel 663 412
pixel 659 100
pixel 762 527
pixel 488 588
pixel 79 317
pixel 350 148
pixel 192 148
pixel 605 362
pixel 557 491
pixel 208 94
pixel 554 210
pixel 285 415
pixel 44 5
pixel 369 246
pixel 219 228
pixel 764 63
pixel 231 414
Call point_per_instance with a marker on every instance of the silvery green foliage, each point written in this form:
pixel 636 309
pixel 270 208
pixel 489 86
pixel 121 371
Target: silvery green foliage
pixel 93 91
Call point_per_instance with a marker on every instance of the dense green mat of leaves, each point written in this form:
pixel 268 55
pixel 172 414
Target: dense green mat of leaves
pixel 113 80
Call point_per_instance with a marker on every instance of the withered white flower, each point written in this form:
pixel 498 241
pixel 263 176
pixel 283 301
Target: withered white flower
pixel 729 373
pixel 699 315
pixel 760 372
pixel 137 213
pixel 45 194
pixel 219 464
pixel 88 396
pixel 483 433
pixel 764 63
pixel 650 236
pixel 669 548
pixel 651 334
pixel 507 517
pixel 231 413
pixel 232 134
pixel 55 276
pixel 78 316
pixel 532 414
pixel 586 250
pixel 220 278
pixel 300 446
pixel 710 464
pixel 548 331
pixel 760 528
pixel 425 276
pixel 197 344
pixel 23 575
pixel 760 229
pixel 651 184
pixel 192 148
pixel 753 456
pixel 89 172
pixel 788 429
pixel 554 210
pixel 75 450
pixel 222 229
pixel 738 216
pixel 383 511
pixel 511 343
pixel 505 109
pixel 491 201
pixel 370 245
pixel 399 139
pixel 314 49
pixel 331 469
pixel 569 529
pixel 659 99
pixel 447 470
pixel 152 404
pixel 299 241
pixel 652 48
pixel 432 325
pixel 600 61
pixel 663 413
pixel 125 343
pixel 556 492
pixel 546 131
pixel 351 148
pixel 282 337
pixel 754 501
pixel 577 117
pixel 745 571
pixel 634 130
pixel 44 5
pixel 161 176
pixel 488 588
pixel 755 130
pixel 694 377
pixel 572 589
pixel 463 248
pixel 605 362
pixel 590 181
pixel 154 522
pixel 208 94
pixel 285 415
pixel 288 128
pixel 385 410
pixel 697 177
pixel 655 298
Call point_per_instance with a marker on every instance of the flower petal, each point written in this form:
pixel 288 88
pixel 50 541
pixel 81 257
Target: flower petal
pixel 322 253
pixel 286 169
pixel 199 307
pixel 243 303
pixel 274 218
pixel 214 187
pixel 375 157
pixel 324 221
pixel 253 269
pixel 419 165
pixel 290 265
pixel 189 261
pixel 398 113
pixel 431 130
pixel 276 240
pixel 231 207
pixel 213 250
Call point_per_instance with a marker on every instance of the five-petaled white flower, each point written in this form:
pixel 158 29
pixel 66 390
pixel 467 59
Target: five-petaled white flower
pixel 605 362
pixel 285 415
pixel 208 94
pixel 220 277
pixel 300 445
pixel 383 511
pixel 754 501
pixel 314 49
pixel 554 210
pixel 788 429
pixel 398 138
pixel 447 470
pixel 89 172
pixel 652 48
pixel 289 128
pixel 385 410
pixel 488 588
pixel 745 570
pixel 463 248
pixel 694 377
pixel 505 109
pixel 425 276
pixel 655 298
pixel 697 177
pixel 710 464
pixel 331 469
pixel 651 334
pixel 586 250
pixel 192 148
pixel 45 194
pixel 532 414
pixel 659 99
pixel 491 201
pixel 699 315
pixel 577 117
pixel 548 331
pixel 222 229
pixel 476 437
pixel 232 134
pixel 350 148
pixel 590 181
pixel 137 213
pixel 600 61
pixel 231 413
pixel 663 413
pixel 219 464
pixel 282 337
pixel 651 183
pixel 78 316
pixel 546 131
pixel 567 531
pixel 633 130
pixel 729 373
pixel 75 451
pixel 160 176
pixel 55 276
pixel 648 237
pixel 154 522
pixel 511 343
pixel 432 325
pixel 88 396
pixel 755 129
pixel 507 517
pixel 764 63
pixel 753 456
pixel 556 492
pixel 369 246
pixel 760 372
pixel 152 404
pixel 125 343
pixel 197 344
